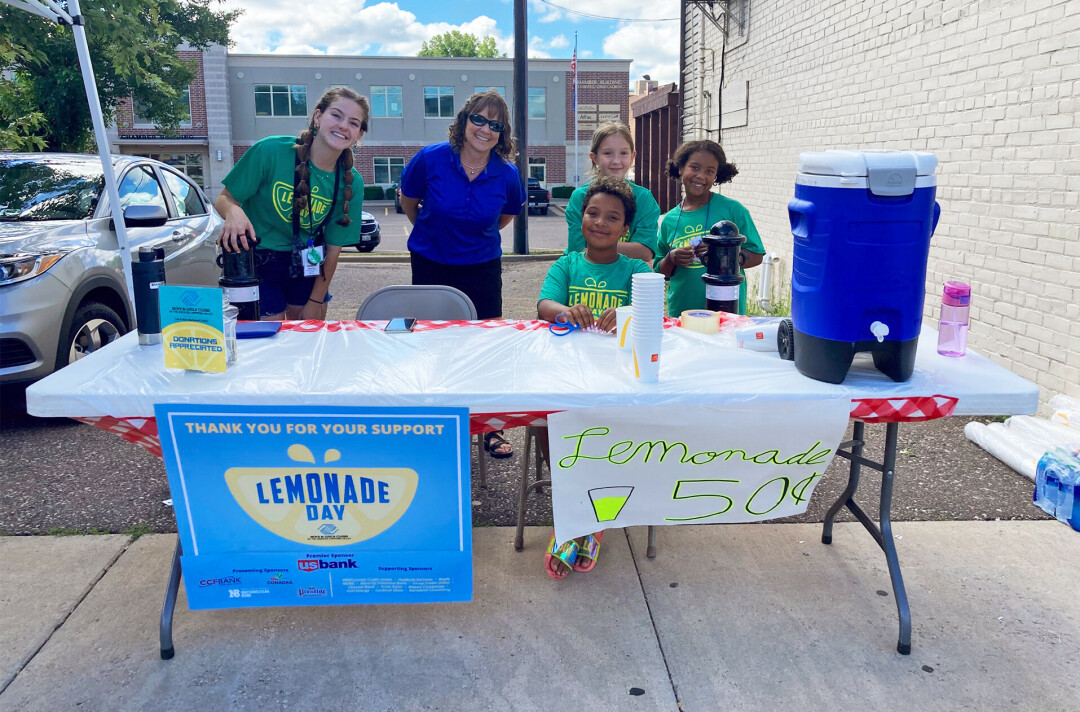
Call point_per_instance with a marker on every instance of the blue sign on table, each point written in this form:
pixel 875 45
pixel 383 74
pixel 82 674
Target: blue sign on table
pixel 308 505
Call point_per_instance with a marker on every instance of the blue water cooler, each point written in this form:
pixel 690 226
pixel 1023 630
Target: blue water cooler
pixel 862 222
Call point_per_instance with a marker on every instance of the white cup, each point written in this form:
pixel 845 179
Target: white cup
pixel 622 327
pixel 647 358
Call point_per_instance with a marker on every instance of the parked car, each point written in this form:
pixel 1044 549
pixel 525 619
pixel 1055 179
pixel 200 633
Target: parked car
pixel 62 286
pixel 539 198
pixel 397 198
pixel 369 233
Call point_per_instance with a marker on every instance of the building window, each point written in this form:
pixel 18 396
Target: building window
pixel 501 91
pixel 537 103
pixel 190 164
pixel 439 102
pixel 386 101
pixel 388 169
pixel 538 168
pixel 137 111
pixel 280 100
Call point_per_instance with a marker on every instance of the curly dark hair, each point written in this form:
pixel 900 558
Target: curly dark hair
pixel 724 172
pixel 505 148
pixel 612 186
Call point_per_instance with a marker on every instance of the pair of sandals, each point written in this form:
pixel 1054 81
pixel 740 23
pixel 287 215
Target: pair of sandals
pixel 574 555
pixel 497 446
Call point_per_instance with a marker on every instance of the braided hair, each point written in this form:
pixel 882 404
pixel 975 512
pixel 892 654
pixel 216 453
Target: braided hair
pixel 345 161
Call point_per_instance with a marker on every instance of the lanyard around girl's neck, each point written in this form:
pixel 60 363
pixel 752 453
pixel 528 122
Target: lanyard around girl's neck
pixel 705 226
pixel 315 232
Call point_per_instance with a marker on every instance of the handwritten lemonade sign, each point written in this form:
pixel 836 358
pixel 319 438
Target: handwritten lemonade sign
pixel 747 462
pixel 307 505
pixel 192 328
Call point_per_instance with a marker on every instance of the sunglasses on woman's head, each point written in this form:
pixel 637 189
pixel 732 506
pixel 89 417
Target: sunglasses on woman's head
pixel 480 120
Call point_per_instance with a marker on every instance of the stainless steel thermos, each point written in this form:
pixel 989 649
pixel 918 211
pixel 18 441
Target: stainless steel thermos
pixel 148 273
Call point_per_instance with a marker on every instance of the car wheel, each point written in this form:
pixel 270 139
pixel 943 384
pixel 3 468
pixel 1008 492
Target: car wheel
pixel 397 208
pixel 365 248
pixel 94 326
pixel 543 211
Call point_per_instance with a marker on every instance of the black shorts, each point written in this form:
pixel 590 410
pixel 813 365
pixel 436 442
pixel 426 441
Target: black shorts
pixel 482 282
pixel 276 288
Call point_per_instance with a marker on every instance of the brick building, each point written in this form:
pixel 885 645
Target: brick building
pixel 991 88
pixel 239 99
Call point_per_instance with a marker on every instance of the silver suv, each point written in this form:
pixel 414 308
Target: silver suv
pixel 62 288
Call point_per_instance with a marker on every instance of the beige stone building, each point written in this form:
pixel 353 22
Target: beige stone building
pixel 991 87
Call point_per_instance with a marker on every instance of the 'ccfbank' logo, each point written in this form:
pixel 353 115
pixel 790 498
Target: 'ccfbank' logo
pixel 226 581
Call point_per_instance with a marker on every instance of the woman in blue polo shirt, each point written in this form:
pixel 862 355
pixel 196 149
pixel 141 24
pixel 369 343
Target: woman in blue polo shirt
pixel 458 195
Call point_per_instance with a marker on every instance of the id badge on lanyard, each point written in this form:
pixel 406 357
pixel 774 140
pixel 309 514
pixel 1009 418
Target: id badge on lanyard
pixel 312 259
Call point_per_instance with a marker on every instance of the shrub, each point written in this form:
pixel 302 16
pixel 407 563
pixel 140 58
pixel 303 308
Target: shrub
pixel 373 192
pixel 562 191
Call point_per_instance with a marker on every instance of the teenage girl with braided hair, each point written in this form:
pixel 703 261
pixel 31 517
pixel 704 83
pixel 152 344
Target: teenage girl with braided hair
pixel 293 199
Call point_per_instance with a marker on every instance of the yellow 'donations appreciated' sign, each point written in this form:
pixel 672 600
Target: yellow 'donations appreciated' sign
pixel 192 328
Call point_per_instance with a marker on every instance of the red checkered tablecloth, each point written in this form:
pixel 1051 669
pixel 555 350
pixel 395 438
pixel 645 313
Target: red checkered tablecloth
pixel 144 432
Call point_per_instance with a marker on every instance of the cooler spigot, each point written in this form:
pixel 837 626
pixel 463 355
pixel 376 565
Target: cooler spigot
pixel 879 330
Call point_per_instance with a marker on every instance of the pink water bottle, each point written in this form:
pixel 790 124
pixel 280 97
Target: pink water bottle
pixel 953 325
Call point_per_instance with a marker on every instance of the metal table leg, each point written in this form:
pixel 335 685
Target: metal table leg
pixel 165 631
pixel 883 535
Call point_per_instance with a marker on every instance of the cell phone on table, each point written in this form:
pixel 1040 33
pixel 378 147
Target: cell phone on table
pixel 400 325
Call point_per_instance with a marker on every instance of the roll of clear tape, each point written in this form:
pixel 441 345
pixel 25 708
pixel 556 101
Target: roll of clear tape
pixel 702 321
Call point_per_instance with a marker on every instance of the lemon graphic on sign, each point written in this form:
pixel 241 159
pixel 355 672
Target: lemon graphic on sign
pixel 194 346
pixel 323 505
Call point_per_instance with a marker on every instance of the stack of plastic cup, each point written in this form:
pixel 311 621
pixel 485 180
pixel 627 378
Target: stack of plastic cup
pixel 647 324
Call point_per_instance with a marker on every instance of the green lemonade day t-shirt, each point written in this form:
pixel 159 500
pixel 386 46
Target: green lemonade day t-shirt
pixel 642 229
pixel 262 182
pixel 685 288
pixel 572 279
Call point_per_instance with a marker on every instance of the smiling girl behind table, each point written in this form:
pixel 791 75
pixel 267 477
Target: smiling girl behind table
pixel 612 154
pixel 699 165
pixel 293 196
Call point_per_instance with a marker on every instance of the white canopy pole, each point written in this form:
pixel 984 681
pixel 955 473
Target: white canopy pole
pixel 51 11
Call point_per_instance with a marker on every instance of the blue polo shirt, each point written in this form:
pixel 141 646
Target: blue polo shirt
pixel 458 222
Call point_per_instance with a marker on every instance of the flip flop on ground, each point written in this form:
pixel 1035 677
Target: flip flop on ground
pixel 498 446
pixel 588 552
pixel 559 560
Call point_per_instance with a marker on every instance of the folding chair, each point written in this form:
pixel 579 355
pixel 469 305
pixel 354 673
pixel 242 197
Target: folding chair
pixel 428 302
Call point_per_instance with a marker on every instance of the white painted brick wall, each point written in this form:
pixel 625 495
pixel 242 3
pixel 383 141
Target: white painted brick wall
pixel 992 87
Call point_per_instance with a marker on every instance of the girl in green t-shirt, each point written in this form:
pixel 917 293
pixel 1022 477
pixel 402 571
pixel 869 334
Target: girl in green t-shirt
pixel 612 155
pixel 587 287
pixel 699 165
pixel 281 176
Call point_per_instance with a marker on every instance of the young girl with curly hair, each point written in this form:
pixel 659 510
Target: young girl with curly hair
pixel 293 198
pixel 699 165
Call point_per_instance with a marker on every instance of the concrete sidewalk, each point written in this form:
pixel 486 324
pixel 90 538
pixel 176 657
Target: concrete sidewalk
pixel 739 617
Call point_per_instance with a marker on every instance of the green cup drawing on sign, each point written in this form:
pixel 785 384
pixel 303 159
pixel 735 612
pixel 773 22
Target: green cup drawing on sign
pixel 607 502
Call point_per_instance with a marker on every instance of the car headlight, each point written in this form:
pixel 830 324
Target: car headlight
pixel 16 268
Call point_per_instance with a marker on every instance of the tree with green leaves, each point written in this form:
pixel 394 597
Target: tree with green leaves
pixel 133 47
pixel 459 44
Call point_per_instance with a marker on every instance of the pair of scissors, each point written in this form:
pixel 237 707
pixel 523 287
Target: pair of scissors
pixel 562 326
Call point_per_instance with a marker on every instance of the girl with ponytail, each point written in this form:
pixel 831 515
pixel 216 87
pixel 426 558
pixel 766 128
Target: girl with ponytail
pixel 292 199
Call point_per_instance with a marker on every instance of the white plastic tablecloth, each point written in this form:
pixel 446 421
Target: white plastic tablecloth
pixel 494 369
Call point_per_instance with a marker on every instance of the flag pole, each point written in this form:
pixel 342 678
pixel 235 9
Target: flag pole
pixel 577 172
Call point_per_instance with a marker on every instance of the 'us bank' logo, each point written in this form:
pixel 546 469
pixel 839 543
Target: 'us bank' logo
pixel 323 505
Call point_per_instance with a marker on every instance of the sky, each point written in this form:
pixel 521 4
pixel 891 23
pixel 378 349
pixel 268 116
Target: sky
pixel 638 30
